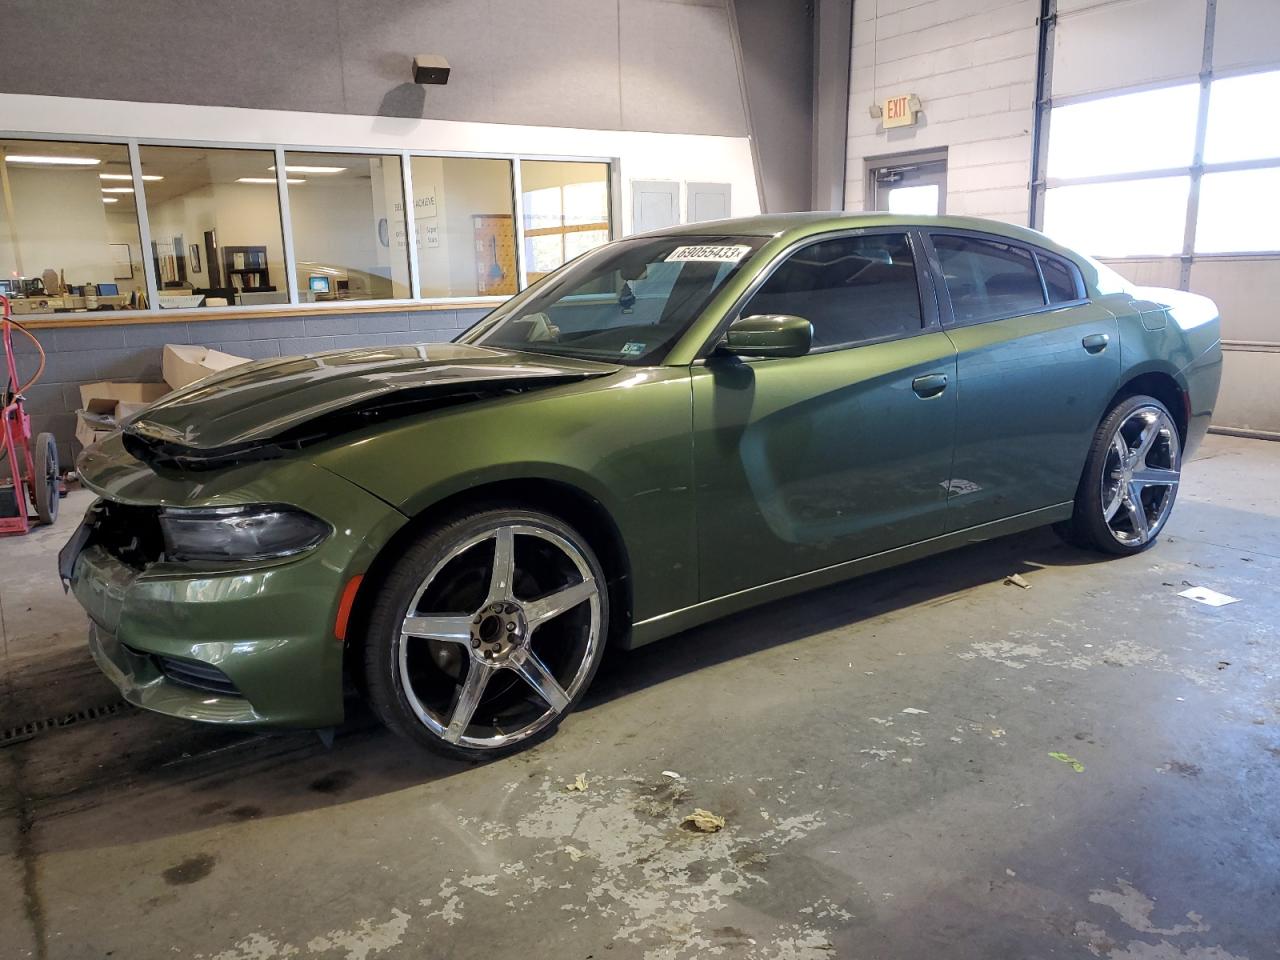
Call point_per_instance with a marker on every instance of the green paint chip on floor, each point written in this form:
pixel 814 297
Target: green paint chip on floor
pixel 1076 765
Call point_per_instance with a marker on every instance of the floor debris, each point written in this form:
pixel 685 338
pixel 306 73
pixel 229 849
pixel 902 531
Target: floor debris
pixel 703 821
pixel 1211 598
pixel 913 710
pixel 671 773
pixel 1017 580
pixel 1076 765
pixel 579 783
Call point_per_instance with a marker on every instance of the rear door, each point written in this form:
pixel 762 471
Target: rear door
pixel 804 462
pixel 1037 363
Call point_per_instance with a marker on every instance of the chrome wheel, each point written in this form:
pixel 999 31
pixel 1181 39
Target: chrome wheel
pixel 1140 475
pixel 500 636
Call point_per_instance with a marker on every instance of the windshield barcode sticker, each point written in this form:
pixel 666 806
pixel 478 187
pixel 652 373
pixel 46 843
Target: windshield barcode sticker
pixel 731 253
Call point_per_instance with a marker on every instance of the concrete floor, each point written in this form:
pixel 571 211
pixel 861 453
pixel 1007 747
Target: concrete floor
pixel 880 750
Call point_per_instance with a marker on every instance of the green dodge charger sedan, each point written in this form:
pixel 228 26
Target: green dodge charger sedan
pixel 669 428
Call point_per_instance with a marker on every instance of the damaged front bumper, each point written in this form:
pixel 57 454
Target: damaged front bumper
pixel 249 643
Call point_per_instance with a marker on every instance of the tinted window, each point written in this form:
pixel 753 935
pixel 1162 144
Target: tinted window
pixel 851 289
pixel 987 278
pixel 1059 279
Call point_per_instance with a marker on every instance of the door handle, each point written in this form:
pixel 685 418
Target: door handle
pixel 929 385
pixel 1095 342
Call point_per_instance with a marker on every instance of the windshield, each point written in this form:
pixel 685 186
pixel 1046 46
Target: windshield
pixel 627 302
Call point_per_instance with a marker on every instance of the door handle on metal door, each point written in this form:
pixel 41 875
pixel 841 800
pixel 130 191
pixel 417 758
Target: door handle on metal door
pixel 1095 342
pixel 929 385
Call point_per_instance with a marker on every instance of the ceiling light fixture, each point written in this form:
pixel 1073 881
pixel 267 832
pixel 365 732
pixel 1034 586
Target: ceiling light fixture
pixel 117 189
pixel 149 177
pixel 52 161
pixel 291 168
pixel 110 199
pixel 266 180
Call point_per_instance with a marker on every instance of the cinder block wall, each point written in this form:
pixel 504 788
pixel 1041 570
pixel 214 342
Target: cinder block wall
pixel 973 66
pixel 131 352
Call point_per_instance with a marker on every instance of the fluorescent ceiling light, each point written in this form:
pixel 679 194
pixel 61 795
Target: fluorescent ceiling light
pixel 110 199
pixel 266 180
pixel 53 161
pixel 149 177
pixel 117 189
pixel 291 168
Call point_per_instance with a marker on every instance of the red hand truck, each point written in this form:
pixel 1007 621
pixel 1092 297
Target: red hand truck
pixel 40 489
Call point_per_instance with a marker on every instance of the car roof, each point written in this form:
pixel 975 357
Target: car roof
pixel 797 225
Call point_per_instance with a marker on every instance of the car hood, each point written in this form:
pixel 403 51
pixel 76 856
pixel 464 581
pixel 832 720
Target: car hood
pixel 295 399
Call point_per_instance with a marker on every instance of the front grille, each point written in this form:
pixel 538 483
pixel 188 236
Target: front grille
pixel 194 673
pixel 130 534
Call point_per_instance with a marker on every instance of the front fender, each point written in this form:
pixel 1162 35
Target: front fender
pixel 624 440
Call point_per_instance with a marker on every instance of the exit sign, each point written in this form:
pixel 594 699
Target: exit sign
pixel 899 111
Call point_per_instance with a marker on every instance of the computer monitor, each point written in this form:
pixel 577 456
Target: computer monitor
pixel 108 289
pixel 6 287
pixel 318 284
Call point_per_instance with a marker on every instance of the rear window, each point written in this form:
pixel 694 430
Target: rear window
pixel 988 279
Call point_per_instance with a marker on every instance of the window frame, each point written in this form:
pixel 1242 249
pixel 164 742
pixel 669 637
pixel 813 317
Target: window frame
pixel 1073 270
pixel 1035 252
pixel 286 218
pixel 1041 183
pixel 611 199
pixel 930 319
pixel 140 217
pixel 154 312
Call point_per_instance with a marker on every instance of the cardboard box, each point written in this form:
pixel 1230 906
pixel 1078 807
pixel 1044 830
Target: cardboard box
pixel 106 405
pixel 184 364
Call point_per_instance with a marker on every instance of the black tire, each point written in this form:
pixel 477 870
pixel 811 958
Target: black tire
pixel 1088 527
pixel 44 485
pixel 438 564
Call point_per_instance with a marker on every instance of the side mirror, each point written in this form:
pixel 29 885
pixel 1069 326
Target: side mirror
pixel 769 335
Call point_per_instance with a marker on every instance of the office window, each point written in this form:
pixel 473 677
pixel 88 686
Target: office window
pixel 1151 130
pixel 988 279
pixel 1239 212
pixel 216 238
pixel 1061 279
pixel 347 213
pixel 462 212
pixel 1242 122
pixel 566 211
pixel 1123 218
pixel 852 289
pixel 69 238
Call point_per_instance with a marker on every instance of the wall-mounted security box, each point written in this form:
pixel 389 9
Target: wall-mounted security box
pixel 430 68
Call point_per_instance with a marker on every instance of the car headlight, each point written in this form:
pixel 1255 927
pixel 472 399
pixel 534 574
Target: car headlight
pixel 257 532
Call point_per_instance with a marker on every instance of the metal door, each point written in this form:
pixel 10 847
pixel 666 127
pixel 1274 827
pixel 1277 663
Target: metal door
pixel 908 185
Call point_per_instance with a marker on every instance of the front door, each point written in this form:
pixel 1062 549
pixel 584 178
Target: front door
pixel 810 461
pixel 1037 364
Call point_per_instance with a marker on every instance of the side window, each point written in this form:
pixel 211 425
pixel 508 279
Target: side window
pixel 988 279
pixel 1060 278
pixel 851 289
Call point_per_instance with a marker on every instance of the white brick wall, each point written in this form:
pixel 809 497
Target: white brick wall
pixel 972 63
